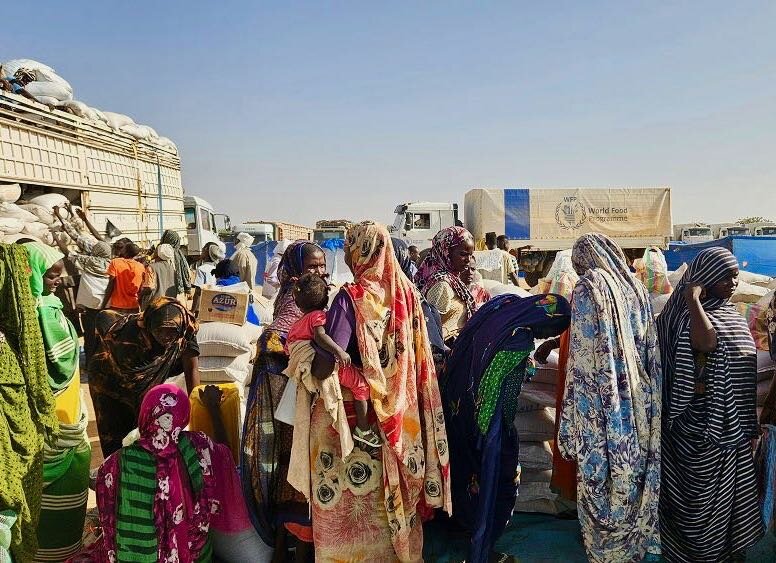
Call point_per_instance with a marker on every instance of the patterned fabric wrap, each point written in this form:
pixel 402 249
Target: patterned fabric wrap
pixel 610 420
pixel 148 510
pixel 709 508
pixel 770 318
pixel 482 381
pixel 399 367
pixel 437 267
pixel 26 404
pixel 757 320
pixel 266 445
pixel 182 278
pixel 290 269
pixel 652 271
pixel 60 339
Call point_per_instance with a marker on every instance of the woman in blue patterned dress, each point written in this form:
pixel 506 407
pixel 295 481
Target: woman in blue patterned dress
pixel 610 420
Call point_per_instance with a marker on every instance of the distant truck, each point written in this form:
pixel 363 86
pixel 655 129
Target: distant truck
pixel 546 220
pixel 692 233
pixel 263 231
pixel 723 230
pixel 201 227
pixel 330 229
pixel 763 229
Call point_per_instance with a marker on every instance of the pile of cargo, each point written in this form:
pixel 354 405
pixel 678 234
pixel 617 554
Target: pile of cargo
pixel 33 217
pixel 55 92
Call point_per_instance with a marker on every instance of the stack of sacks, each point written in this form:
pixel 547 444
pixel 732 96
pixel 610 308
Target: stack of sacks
pixel 32 218
pixel 52 90
pixel 48 87
pixel 535 425
pixel 659 300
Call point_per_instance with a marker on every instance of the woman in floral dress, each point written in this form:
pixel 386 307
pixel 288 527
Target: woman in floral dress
pixel 610 420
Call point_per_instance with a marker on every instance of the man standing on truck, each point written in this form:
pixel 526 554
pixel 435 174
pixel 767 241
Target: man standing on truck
pixel 18 81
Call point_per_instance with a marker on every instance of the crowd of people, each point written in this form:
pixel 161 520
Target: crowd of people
pixel 405 385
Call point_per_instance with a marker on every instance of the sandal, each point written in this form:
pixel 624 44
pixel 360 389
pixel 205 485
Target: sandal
pixel 367 437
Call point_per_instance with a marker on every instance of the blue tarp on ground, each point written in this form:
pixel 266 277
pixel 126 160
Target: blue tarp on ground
pixel 754 254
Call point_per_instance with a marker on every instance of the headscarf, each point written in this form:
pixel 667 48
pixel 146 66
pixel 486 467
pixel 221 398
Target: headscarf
pixel 109 371
pixel 482 383
pixel 156 497
pixel 245 240
pixel 291 268
pixel 562 277
pixel 402 252
pixel 165 252
pixel 97 261
pixel 27 408
pixel 398 365
pixel 216 253
pixel 60 338
pixel 182 280
pixel 725 428
pixel 437 267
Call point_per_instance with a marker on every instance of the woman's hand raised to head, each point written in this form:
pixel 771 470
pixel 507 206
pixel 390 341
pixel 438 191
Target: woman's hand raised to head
pixel 544 350
pixel 693 292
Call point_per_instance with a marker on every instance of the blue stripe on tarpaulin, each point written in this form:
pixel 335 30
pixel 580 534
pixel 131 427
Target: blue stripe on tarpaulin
pixel 754 254
pixel 517 214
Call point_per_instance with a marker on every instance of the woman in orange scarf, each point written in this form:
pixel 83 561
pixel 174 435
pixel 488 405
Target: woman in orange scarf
pixel 370 506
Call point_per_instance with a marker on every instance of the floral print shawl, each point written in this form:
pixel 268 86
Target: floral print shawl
pixel 399 367
pixel 610 420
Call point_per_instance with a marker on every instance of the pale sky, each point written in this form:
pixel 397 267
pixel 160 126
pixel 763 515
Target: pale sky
pixel 298 111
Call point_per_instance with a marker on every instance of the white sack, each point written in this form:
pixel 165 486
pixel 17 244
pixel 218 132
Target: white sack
pixel 9 193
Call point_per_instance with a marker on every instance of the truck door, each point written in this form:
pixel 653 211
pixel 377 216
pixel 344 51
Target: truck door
pixel 419 227
pixel 192 231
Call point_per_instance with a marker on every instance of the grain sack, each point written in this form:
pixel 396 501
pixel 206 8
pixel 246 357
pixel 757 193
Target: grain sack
pixel 220 369
pixel 542 394
pixel 13 211
pixel 676 276
pixel 658 303
pixel 227 340
pixel 42 214
pixel 9 193
pixel 50 201
pixel 754 279
pixel 536 426
pixel 36 228
pixel 535 455
pixel 545 374
pixel 10 225
pixel 748 293
pixel 139 132
pixel 117 120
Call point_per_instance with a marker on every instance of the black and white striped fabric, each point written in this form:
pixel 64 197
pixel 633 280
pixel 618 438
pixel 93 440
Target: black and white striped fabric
pixel 709 507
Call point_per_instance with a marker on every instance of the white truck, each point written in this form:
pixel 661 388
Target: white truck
pixel 723 230
pixel 201 227
pixel 763 229
pixel 546 220
pixel 134 184
pixel 692 233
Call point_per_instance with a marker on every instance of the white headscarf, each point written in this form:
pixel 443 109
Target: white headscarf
pixel 165 252
pixel 245 240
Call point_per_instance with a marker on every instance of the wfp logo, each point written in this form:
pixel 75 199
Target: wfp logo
pixel 224 302
pixel 570 213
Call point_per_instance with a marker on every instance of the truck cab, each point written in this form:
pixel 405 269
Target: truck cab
pixel 768 230
pixel 693 233
pixel 201 226
pixel 722 231
pixel 417 222
pixel 261 232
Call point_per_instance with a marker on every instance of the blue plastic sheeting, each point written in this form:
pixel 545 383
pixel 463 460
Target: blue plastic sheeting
pixel 517 214
pixel 754 254
pixel 263 253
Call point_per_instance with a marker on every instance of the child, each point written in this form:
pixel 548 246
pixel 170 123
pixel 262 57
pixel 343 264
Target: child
pixel 311 295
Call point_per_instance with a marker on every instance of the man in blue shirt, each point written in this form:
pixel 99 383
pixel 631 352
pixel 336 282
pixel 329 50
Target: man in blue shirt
pixel 18 81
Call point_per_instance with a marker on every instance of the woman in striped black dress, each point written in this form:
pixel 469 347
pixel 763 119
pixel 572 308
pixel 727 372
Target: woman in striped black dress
pixel 708 506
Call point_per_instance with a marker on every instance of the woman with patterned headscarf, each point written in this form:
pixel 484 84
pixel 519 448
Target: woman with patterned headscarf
pixel 275 507
pixel 379 321
pixel 135 353
pixel 182 275
pixel 67 456
pixel 27 408
pixel 610 420
pixel 709 507
pixel 438 278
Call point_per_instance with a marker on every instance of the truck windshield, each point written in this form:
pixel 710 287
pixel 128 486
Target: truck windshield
pixel 737 231
pixel 698 232
pixel 191 218
pixel 769 231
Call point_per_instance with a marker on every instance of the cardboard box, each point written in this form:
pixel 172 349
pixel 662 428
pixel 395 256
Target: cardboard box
pixel 220 304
